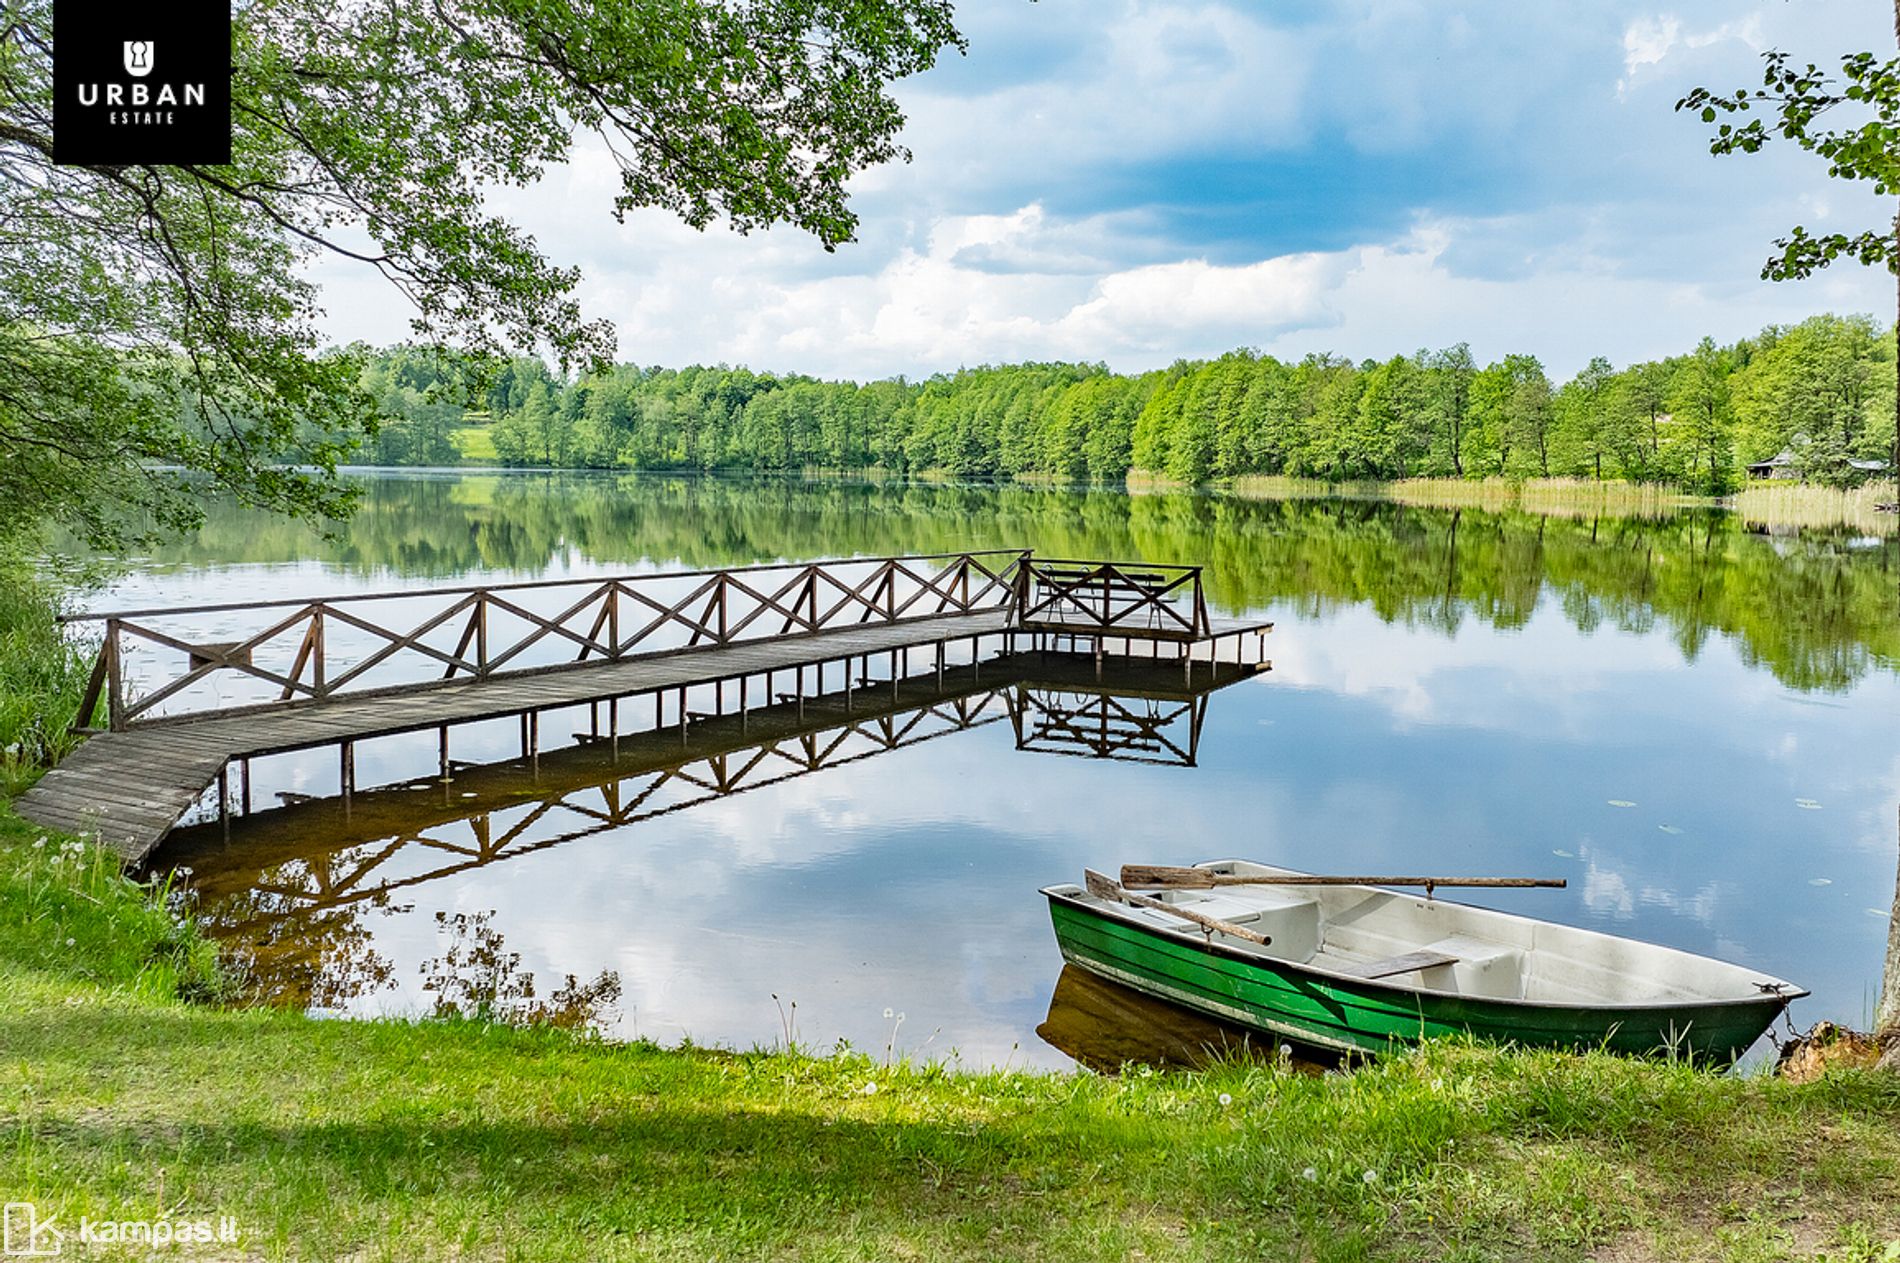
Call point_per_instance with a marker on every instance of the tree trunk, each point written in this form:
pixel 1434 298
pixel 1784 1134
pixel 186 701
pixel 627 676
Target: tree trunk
pixel 1887 1013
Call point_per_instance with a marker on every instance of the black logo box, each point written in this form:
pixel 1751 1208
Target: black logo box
pixel 187 47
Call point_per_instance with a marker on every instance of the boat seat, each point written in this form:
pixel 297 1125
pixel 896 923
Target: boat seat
pixel 1404 964
pixel 1481 967
pixel 1289 917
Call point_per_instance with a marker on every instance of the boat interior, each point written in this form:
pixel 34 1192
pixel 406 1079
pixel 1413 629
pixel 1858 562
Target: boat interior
pixel 1432 944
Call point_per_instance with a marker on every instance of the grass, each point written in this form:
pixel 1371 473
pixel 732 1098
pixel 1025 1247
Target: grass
pixel 42 674
pixel 1763 504
pixel 123 1094
pixel 1796 504
pixel 475 444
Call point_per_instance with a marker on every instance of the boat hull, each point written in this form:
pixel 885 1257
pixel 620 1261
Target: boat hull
pixel 1285 998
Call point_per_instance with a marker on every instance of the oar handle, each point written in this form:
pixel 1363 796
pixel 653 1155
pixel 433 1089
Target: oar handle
pixel 1103 887
pixel 1166 875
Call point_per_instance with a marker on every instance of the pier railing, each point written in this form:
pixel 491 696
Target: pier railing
pixel 1117 598
pixel 162 663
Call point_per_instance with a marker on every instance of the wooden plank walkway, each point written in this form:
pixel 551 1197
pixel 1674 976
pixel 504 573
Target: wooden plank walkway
pixel 130 787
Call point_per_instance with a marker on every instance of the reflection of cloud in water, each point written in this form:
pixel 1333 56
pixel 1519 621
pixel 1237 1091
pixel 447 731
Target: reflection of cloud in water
pixel 1607 894
pixel 907 880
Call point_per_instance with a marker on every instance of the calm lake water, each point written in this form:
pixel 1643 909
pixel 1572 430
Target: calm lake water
pixel 1698 726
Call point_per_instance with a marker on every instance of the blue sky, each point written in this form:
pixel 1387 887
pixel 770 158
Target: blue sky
pixel 1135 181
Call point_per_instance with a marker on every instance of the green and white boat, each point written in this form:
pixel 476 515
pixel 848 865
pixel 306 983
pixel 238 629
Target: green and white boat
pixel 1356 968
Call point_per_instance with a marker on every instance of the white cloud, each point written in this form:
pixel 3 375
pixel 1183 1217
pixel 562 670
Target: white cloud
pixel 1141 181
pixel 1649 41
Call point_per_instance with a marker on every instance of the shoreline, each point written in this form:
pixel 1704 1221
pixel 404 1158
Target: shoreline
pixel 1766 505
pixel 130 1091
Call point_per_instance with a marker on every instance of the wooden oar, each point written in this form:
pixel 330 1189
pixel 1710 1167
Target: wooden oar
pixel 1103 887
pixel 1169 877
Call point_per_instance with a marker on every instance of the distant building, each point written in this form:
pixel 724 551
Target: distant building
pixel 1784 465
pixel 1779 466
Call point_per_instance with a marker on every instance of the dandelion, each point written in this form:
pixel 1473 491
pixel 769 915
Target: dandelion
pixel 889 1013
pixel 1310 1175
pixel 1226 1099
pixel 40 844
pixel 71 942
pixel 1371 1176
pixel 869 1089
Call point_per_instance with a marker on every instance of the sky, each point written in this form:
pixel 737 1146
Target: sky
pixel 1138 181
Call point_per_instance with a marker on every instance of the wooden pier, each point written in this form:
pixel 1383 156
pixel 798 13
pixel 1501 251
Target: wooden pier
pixel 192 695
pixel 312 855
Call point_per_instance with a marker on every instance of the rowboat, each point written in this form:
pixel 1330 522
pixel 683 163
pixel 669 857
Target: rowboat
pixel 1356 968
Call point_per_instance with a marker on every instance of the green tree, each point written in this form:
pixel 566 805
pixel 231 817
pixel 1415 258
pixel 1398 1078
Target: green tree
pixel 1865 149
pixel 1586 420
pixel 1702 419
pixel 162 316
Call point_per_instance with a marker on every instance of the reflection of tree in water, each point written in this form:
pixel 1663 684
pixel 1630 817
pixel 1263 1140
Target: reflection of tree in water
pixel 290 954
pixel 1817 609
pixel 478 978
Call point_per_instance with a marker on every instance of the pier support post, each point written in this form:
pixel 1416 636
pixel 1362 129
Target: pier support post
pixel 224 799
pixel 442 751
pixel 346 773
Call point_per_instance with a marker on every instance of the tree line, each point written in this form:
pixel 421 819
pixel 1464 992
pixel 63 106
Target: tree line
pixel 1821 390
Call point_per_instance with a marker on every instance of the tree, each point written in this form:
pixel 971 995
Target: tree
pixel 1867 150
pixel 1699 406
pixel 1452 370
pixel 1587 414
pixel 160 315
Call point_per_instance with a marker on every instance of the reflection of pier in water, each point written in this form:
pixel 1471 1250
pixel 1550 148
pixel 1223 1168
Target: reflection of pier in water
pixel 311 858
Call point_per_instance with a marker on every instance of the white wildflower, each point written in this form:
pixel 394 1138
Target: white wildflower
pixel 1226 1099
pixel 1371 1176
pixel 869 1089
pixel 1309 1175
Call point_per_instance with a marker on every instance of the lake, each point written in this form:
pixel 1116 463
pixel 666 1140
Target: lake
pixel 1698 726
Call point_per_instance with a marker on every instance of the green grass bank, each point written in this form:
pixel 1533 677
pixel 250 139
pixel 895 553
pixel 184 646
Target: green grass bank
pixel 128 1091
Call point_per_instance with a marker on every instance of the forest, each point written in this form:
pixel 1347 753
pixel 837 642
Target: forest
pixel 1822 390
